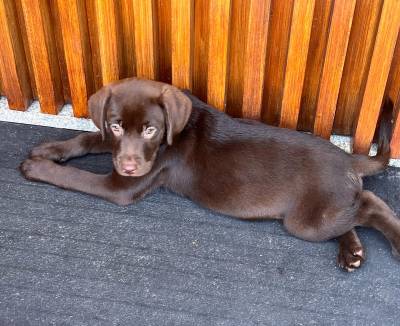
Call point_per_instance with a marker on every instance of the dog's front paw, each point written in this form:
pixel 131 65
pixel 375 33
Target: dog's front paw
pixel 36 168
pixel 51 151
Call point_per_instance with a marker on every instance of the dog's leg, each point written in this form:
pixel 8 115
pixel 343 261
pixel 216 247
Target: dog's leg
pixel 374 212
pixel 80 145
pixel 112 187
pixel 351 252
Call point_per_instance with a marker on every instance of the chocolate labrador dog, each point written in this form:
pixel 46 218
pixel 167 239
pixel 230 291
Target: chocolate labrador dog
pixel 158 136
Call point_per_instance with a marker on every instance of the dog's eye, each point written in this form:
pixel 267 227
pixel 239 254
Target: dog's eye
pixel 149 132
pixel 117 129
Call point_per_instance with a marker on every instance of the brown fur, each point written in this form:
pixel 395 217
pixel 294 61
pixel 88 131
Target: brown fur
pixel 237 167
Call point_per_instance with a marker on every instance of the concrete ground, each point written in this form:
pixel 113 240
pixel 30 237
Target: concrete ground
pixel 72 259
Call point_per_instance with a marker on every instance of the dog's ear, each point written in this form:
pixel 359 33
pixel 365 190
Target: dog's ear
pixel 98 103
pixel 178 108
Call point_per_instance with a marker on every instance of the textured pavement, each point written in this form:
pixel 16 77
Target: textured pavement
pixel 72 259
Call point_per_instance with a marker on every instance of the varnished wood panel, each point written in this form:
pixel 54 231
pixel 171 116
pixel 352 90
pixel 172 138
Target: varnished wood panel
pixel 359 52
pixel 296 62
pixel 145 38
pixel 254 61
pixel 127 38
pixel 315 62
pixel 56 28
pixel 43 53
pixel 377 76
pixel 201 44
pixel 13 66
pixel 395 143
pixel 277 46
pixel 22 30
pixel 342 18
pixel 219 18
pixel 182 42
pixel 72 21
pixel 164 40
pixel 237 40
pixel 393 87
pixel 107 40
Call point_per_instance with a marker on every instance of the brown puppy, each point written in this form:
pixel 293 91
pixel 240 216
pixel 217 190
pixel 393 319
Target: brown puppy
pixel 160 137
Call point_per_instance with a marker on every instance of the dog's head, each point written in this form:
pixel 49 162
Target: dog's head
pixel 139 115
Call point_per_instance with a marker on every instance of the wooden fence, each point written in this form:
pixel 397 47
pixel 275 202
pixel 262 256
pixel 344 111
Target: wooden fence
pixel 317 65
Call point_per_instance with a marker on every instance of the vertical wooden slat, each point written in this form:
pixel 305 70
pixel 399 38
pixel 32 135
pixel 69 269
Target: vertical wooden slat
pixel 22 29
pixel 164 40
pixel 342 18
pixel 393 87
pixel 277 47
pixel 71 14
pixel 13 66
pixel 395 143
pixel 43 53
pixel 358 57
pixel 125 11
pixel 145 39
pixel 219 16
pixel 182 46
pixel 237 48
pixel 56 28
pixel 1 87
pixel 296 62
pixel 200 56
pixel 378 73
pixel 108 40
pixel 315 62
pixel 94 43
pixel 256 47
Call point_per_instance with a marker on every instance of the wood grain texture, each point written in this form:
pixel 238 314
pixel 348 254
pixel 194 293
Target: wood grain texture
pixel 14 74
pixel 315 62
pixel 108 40
pixel 182 21
pixel 127 38
pixel 219 19
pixel 277 46
pixel 201 44
pixel 56 28
pixel 395 142
pixel 296 62
pixel 145 38
pixel 377 76
pixel 94 43
pixel 393 87
pixel 164 40
pixel 43 54
pixel 254 65
pixel 237 48
pixel 22 30
pixel 1 87
pixel 358 58
pixel 335 55
pixel 75 45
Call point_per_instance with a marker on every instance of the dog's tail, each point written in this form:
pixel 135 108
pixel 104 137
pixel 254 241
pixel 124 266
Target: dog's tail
pixel 368 165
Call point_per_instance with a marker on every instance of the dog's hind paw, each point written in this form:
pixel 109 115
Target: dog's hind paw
pixel 351 258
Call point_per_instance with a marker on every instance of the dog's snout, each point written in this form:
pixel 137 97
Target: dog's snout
pixel 129 164
pixel 129 169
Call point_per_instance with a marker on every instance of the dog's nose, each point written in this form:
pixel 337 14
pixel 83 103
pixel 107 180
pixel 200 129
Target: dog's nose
pixel 129 168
